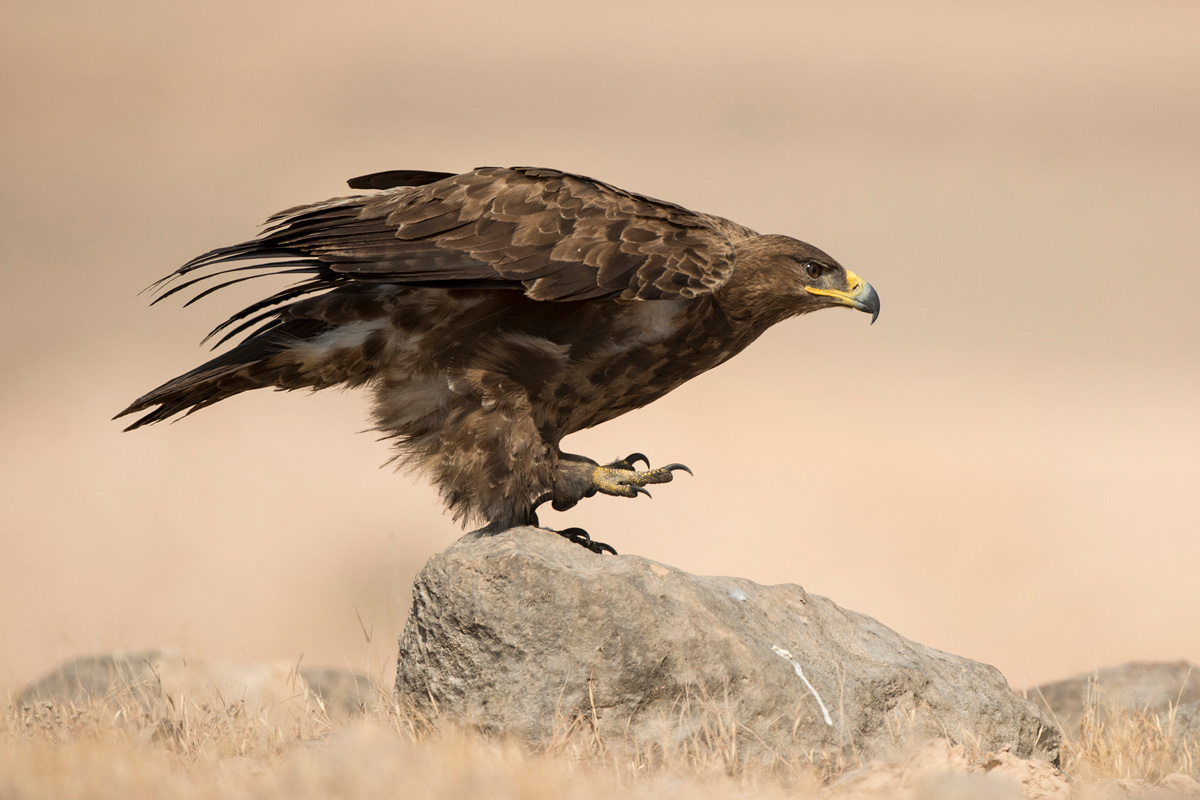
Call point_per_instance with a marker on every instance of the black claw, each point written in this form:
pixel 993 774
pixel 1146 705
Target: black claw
pixel 639 490
pixel 581 537
pixel 577 535
pixel 633 458
pixel 673 467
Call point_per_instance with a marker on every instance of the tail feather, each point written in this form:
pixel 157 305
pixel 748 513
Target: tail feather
pixel 266 359
pixel 327 328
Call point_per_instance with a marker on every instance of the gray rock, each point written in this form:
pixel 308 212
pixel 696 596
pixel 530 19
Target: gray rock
pixel 1185 727
pixel 157 679
pixel 132 674
pixel 342 691
pixel 527 634
pixel 1137 686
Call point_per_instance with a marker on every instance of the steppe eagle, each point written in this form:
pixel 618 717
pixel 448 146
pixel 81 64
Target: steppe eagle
pixel 494 312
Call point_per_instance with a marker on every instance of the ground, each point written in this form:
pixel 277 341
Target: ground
pixel 114 748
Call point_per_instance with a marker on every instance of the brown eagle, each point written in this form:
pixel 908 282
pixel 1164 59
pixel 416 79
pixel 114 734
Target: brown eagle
pixel 494 312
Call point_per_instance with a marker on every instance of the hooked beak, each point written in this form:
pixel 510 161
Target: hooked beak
pixel 861 296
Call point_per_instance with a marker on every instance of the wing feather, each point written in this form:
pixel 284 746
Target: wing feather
pixel 554 235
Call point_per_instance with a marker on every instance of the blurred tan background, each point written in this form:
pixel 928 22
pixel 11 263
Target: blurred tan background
pixel 1005 466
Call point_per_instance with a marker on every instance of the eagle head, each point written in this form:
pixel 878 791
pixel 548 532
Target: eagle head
pixel 779 277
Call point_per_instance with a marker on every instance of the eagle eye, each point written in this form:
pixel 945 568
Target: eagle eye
pixel 812 269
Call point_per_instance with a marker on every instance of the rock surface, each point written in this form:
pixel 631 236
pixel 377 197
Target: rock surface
pixel 153 678
pixel 527 634
pixel 1184 726
pixel 1137 686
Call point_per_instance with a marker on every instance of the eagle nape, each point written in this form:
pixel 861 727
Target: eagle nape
pixel 620 478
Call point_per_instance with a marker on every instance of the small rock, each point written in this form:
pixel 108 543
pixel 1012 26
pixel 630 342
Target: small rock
pixel 157 679
pixel 1136 686
pixel 343 692
pixel 133 674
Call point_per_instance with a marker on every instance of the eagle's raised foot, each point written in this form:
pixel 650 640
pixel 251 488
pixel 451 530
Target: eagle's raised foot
pixel 581 537
pixel 622 479
pixel 580 477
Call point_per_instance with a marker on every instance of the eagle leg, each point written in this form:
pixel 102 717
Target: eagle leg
pixel 581 477
pixel 622 479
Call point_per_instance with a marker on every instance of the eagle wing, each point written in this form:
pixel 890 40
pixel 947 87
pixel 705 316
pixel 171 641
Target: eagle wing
pixel 554 235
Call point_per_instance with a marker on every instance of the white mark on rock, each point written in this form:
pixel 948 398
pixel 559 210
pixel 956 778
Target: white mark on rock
pixel 779 651
pixel 738 594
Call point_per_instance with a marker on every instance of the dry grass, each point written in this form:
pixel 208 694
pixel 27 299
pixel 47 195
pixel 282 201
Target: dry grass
pixel 1112 744
pixel 116 747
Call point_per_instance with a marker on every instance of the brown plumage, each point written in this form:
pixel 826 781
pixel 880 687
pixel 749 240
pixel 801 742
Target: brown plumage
pixel 495 312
